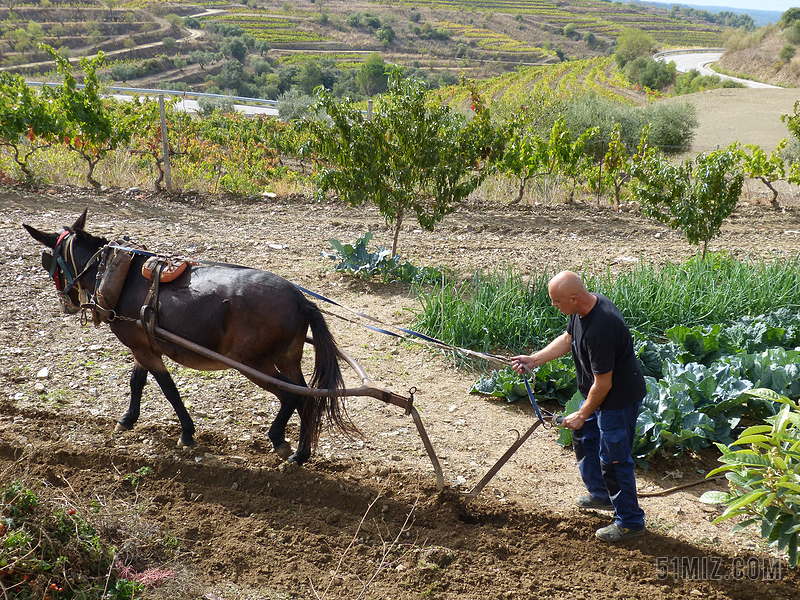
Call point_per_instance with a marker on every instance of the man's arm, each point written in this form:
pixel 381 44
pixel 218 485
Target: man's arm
pixel 561 346
pixel 597 393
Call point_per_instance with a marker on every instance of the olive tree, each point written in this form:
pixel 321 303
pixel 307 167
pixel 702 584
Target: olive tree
pixel 413 156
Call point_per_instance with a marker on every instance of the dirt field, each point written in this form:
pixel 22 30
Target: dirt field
pixel 749 116
pixel 363 519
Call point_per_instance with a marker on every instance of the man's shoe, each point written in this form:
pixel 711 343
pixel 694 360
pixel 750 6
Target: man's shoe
pixel 615 533
pixel 592 502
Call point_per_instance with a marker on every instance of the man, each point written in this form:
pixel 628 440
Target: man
pixel 611 381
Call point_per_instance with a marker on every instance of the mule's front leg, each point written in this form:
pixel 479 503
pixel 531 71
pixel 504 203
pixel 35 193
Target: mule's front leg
pixel 170 390
pixel 138 379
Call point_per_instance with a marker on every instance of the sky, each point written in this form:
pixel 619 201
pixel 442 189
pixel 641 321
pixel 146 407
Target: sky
pixel 778 5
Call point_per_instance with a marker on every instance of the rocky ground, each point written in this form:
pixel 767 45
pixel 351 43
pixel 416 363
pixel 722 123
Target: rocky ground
pixel 363 519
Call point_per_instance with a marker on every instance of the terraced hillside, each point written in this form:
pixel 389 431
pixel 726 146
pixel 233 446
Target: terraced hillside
pixel 155 43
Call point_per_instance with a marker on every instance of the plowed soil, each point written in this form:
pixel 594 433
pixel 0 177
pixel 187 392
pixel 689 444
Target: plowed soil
pixel 363 518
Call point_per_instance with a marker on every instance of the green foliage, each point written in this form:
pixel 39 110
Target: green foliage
pixel 505 309
pixel 50 551
pixel 694 197
pixel 768 169
pixel 763 470
pixel 29 121
pixel 692 82
pixel 689 404
pixel 528 156
pixel 412 155
pixel 633 43
pixel 552 381
pixel 787 52
pixel 613 170
pixel 358 261
pixel 93 129
pixel 650 73
pixel 372 77
pixel 671 126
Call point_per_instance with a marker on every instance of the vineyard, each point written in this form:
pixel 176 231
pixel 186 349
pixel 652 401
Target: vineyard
pixel 493 185
pixel 485 38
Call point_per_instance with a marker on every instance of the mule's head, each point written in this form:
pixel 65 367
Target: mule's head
pixel 68 255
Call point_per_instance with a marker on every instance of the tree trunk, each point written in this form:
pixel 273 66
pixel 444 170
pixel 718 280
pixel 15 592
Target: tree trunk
pixel 774 200
pixel 398 222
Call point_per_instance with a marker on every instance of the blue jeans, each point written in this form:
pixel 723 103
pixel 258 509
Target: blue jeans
pixel 603 449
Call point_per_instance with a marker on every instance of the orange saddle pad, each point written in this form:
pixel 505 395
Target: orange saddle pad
pixel 171 271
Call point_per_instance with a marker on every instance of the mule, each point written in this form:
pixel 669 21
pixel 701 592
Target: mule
pixel 251 316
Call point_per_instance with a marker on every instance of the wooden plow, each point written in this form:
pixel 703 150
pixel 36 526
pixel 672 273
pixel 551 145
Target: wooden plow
pixel 367 388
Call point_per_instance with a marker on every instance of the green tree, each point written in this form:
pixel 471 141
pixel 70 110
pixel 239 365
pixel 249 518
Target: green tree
pixel 694 197
pixel 309 77
pixel 633 43
pixel 386 34
pixel 787 52
pixel 92 129
pixel 372 78
pixel 413 156
pixel 569 155
pixel 28 121
pixel 790 16
pixel 612 171
pixel 768 169
pixel 234 47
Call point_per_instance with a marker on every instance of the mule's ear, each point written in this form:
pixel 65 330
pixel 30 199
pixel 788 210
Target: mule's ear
pixel 48 239
pixel 81 222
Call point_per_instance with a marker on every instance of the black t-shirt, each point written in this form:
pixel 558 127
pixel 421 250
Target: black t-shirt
pixel 602 342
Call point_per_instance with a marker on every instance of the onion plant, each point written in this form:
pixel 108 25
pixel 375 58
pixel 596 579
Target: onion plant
pixel 505 310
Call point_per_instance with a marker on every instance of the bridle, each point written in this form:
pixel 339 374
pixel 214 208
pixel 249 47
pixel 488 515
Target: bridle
pixel 64 264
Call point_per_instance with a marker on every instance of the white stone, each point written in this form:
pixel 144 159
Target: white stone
pixel 43 373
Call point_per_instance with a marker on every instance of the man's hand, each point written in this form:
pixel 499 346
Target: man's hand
pixel 523 363
pixel 574 420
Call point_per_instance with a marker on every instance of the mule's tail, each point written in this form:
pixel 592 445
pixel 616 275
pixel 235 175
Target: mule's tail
pixel 327 376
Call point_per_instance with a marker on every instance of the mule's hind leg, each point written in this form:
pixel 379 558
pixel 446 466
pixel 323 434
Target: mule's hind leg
pixel 277 431
pixel 305 409
pixel 138 379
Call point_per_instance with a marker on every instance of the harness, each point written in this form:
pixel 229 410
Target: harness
pixel 64 262
pixel 63 244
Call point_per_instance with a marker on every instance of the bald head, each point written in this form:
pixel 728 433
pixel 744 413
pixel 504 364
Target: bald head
pixel 569 294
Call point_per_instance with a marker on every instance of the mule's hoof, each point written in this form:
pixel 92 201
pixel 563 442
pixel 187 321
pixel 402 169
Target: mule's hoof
pixel 185 443
pixel 297 459
pixel 120 428
pixel 284 450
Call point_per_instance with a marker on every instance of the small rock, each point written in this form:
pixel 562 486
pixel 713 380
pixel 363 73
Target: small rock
pixel 93 392
pixel 39 387
pixel 43 373
pixel 235 486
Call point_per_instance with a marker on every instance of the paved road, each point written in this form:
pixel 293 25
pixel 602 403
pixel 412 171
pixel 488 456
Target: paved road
pixel 191 105
pixel 700 61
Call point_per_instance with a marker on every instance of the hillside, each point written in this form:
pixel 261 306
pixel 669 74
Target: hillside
pixel 483 39
pixel 769 55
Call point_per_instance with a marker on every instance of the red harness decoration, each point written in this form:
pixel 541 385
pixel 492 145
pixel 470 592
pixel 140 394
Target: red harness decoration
pixel 61 238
